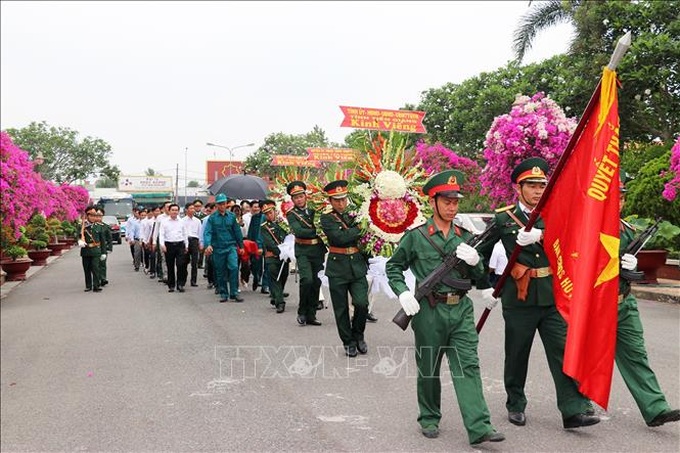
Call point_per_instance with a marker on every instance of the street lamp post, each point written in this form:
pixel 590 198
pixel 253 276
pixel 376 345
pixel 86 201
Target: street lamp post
pixel 231 151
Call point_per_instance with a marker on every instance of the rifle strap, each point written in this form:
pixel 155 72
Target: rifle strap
pixel 515 218
pixel 429 239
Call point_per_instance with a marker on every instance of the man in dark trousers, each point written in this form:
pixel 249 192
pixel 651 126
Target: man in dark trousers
pixel 631 354
pixel 272 236
pixel 529 304
pixel 92 242
pixel 309 253
pixel 444 323
pixel 346 269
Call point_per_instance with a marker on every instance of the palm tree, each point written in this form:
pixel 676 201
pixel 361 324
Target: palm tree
pixel 545 15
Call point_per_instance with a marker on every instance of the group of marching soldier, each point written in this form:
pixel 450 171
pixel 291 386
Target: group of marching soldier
pixel 442 323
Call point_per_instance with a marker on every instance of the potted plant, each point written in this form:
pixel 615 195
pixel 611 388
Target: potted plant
pixel 16 262
pixel 36 231
pixel 39 252
pixel 665 243
pixel 69 232
pixel 55 230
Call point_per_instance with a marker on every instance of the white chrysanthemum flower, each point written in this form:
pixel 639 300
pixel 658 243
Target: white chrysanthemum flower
pixel 390 185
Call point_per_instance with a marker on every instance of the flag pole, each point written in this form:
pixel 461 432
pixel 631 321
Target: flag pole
pixel 622 46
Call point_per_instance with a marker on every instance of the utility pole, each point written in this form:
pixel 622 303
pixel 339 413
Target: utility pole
pixel 177 183
pixel 186 181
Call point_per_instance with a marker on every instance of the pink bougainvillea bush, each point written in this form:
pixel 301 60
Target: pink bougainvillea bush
pixel 25 193
pixel 437 157
pixel 672 187
pixel 535 127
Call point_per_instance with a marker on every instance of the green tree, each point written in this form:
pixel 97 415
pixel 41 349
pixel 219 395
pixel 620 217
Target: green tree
pixel 106 183
pixel 151 172
pixel 282 143
pixel 644 192
pixel 67 159
pixel 192 184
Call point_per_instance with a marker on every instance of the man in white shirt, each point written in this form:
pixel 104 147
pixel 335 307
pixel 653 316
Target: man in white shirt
pixel 174 243
pixel 150 239
pixel 194 230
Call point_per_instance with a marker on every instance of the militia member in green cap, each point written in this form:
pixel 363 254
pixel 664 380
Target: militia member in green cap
pixel 631 354
pixel 528 302
pixel 448 325
pixel 309 252
pixel 346 269
pixel 92 244
pixel 272 235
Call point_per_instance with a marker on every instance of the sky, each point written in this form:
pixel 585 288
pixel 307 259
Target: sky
pixel 159 80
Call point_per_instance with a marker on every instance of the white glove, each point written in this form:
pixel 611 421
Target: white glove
pixel 82 243
pixel 628 262
pixel 487 297
pixel 409 303
pixel 529 237
pixel 467 254
pixel 102 258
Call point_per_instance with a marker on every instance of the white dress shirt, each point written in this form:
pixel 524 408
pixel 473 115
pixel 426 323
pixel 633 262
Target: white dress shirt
pixel 173 231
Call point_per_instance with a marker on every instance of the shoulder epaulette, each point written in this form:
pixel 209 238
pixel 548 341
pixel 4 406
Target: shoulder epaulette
pixel 413 227
pixel 505 208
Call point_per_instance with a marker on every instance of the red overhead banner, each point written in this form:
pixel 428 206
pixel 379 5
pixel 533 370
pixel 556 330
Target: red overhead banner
pixel 285 160
pixel 383 120
pixel 216 169
pixel 332 154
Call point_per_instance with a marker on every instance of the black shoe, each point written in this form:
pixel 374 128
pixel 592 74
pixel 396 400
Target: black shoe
pixel 580 420
pixel 313 322
pixel 96 290
pixel 194 284
pixel 362 347
pixel 210 286
pixel 88 290
pixel 237 298
pixel 136 269
pixel 517 418
pixel 281 308
pixel 665 417
pixel 286 294
pixel 431 432
pixel 255 285
pixel 104 282
pixel 152 275
pixel 351 350
pixel 264 291
pixel 302 320
pixel 320 306
pixel 180 289
pixel 171 290
pixel 371 318
pixel 493 436
pixel 217 291
pixel 224 300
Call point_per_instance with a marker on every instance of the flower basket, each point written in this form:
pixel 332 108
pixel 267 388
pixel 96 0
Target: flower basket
pixel 16 269
pixel 39 257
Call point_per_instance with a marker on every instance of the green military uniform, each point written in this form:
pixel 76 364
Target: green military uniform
pixel 272 234
pixel 108 248
pixel 95 240
pixel 448 327
pixel 309 254
pixel 631 354
pixel 536 312
pixel 346 269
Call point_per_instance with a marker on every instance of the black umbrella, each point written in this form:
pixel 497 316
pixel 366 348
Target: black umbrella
pixel 242 187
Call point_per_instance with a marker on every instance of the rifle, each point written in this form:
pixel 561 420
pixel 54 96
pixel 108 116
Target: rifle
pixel 441 274
pixel 635 246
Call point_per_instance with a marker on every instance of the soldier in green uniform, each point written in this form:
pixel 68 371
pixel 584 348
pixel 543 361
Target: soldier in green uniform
pixel 272 235
pixel 446 326
pixel 528 302
pixel 346 269
pixel 309 252
pixel 92 242
pixel 105 251
pixel 631 354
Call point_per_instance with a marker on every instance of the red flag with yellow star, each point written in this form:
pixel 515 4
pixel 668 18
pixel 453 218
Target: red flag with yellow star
pixel 582 242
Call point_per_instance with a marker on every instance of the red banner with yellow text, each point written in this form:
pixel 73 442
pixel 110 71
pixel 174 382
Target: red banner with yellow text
pixel 383 120
pixel 286 160
pixel 582 242
pixel 332 154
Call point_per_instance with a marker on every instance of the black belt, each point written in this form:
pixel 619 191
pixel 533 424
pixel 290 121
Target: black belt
pixel 175 242
pixel 193 238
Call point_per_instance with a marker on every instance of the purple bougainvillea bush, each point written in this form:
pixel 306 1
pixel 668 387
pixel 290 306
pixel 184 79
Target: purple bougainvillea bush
pixel 672 187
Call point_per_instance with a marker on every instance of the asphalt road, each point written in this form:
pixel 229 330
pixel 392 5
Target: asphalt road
pixel 135 368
